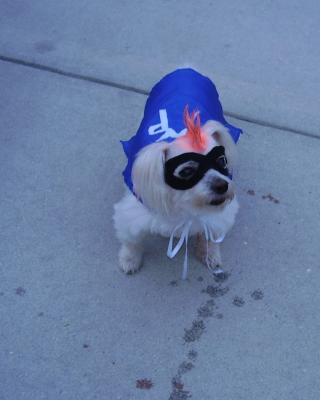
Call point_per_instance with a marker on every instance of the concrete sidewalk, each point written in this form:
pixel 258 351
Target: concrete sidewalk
pixel 73 326
pixel 264 57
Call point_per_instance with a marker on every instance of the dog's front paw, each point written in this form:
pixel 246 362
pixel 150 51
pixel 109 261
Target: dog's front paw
pixel 212 260
pixel 130 258
pixel 208 253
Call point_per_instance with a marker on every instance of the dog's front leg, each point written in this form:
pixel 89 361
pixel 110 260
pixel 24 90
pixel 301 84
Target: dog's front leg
pixel 208 252
pixel 131 222
pixel 130 256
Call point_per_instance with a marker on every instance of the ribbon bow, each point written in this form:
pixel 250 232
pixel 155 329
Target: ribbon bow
pixel 186 226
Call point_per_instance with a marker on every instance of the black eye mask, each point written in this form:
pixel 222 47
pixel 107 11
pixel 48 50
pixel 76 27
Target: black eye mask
pixel 186 170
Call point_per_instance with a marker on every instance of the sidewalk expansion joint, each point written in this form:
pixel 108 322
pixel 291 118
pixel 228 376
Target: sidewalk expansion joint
pixel 73 75
pixel 133 89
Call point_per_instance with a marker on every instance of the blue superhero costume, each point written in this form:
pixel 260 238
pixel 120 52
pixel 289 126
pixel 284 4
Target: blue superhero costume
pixel 163 113
pixel 163 121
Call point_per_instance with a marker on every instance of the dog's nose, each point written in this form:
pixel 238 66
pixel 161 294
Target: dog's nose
pixel 219 186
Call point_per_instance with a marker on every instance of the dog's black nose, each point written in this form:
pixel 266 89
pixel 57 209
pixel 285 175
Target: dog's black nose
pixel 219 186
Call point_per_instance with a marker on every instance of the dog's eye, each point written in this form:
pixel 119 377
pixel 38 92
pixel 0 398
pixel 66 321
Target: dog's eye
pixel 187 173
pixel 222 162
pixel 186 170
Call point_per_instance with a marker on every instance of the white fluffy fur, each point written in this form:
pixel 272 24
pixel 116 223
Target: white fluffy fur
pixel 163 208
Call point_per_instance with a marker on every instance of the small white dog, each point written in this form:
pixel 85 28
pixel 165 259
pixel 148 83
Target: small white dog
pixel 181 186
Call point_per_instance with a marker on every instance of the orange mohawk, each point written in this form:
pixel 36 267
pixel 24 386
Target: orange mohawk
pixel 194 134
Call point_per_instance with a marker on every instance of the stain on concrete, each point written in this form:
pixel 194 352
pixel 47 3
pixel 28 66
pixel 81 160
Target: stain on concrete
pixel 179 394
pixel 177 389
pixel 195 332
pixel 192 355
pixel 271 198
pixel 85 346
pixel 206 310
pixel 20 291
pixel 1 294
pixel 185 367
pixel 238 301
pixel 44 46
pixel 251 192
pixel 144 383
pixel 40 314
pixel 215 291
pixel 173 283
pixel 257 294
pixel 176 381
pixel 178 385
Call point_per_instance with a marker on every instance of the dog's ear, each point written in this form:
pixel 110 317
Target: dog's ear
pixel 222 136
pixel 148 176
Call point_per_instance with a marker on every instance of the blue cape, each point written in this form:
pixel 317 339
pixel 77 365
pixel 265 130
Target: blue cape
pixel 163 113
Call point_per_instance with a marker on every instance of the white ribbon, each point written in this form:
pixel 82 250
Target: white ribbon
pixel 186 226
pixel 172 251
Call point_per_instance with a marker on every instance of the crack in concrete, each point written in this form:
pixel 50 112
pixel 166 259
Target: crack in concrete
pixel 133 89
pixel 73 75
